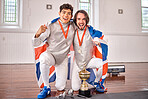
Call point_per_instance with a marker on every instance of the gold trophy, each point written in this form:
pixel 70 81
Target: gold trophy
pixel 84 90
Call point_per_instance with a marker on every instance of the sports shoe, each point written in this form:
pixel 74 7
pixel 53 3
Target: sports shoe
pixel 44 92
pixel 100 88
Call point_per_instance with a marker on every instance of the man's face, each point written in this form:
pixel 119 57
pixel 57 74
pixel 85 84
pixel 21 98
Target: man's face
pixel 65 15
pixel 81 21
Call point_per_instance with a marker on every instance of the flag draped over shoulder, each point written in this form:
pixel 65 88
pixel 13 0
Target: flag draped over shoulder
pixel 98 53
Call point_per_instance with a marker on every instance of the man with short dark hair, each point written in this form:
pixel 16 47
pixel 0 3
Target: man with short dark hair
pixel 59 36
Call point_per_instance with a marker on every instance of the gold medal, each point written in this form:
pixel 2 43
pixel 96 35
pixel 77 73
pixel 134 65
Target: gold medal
pixel 79 51
pixel 80 41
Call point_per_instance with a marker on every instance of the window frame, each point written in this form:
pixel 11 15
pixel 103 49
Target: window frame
pixel 144 29
pixel 18 24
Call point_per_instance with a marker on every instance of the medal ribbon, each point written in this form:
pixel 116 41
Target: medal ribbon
pixel 65 34
pixel 80 42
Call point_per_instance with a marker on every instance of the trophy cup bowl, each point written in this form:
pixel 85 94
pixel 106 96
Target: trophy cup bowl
pixel 84 75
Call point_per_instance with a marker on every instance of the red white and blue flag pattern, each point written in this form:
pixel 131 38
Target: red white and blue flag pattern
pixel 101 53
pixel 52 75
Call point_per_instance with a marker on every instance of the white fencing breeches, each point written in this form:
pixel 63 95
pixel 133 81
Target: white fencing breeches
pixel 47 60
pixel 93 63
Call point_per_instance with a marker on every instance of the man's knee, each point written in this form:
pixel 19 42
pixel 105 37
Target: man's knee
pixel 95 63
pixel 47 59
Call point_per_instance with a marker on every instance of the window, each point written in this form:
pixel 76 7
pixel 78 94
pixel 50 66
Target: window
pixel 144 5
pixel 10 14
pixel 87 6
pixel 10 11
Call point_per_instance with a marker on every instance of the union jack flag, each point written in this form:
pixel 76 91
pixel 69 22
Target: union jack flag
pixel 52 75
pixel 99 52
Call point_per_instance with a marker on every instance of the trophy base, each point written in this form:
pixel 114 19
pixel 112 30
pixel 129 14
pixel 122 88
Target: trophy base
pixel 85 93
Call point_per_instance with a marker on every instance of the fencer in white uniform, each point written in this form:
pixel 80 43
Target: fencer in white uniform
pixel 56 53
pixel 58 49
pixel 83 48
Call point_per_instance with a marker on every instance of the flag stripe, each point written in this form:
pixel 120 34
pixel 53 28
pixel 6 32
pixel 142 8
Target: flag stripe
pixel 39 50
pixel 38 70
pixel 105 69
pixel 51 69
pixel 97 53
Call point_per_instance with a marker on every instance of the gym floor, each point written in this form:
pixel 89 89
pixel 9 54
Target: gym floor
pixel 19 81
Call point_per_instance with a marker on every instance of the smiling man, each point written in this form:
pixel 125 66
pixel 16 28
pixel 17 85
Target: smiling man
pixel 85 40
pixel 59 36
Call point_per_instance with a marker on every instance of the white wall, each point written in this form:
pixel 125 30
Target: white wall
pixel 126 41
pixel 126 48
pixel 123 32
